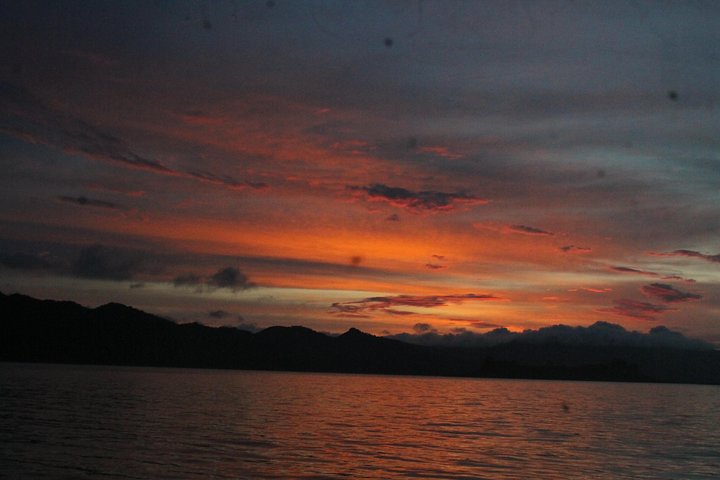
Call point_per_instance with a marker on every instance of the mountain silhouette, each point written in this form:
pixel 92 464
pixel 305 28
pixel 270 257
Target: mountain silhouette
pixel 33 330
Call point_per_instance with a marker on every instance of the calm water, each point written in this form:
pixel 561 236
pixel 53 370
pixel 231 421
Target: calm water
pixel 116 422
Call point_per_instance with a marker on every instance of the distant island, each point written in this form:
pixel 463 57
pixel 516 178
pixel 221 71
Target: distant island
pixel 33 330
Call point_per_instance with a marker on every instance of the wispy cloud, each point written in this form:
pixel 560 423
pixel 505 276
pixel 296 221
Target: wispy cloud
pixel 575 249
pixel 434 266
pixel 647 273
pixel 28 118
pixel 516 229
pixel 668 293
pixel 372 304
pixel 636 309
pixel 426 200
pixel 621 269
pixel 591 290
pixel 440 151
pixel 88 202
pixel 527 230
pixel 688 253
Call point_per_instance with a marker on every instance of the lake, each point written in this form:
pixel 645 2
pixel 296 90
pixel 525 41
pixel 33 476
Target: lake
pixel 77 422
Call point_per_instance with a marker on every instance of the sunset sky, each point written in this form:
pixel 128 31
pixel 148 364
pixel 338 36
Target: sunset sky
pixel 402 166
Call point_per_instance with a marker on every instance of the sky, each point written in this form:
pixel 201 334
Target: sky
pixel 398 167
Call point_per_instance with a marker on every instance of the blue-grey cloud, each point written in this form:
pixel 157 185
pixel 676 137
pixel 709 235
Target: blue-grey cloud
pixel 103 262
pixel 230 277
pixel 187 280
pixel 598 334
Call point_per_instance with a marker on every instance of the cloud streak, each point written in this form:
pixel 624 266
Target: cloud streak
pixel 527 230
pixel 575 249
pixel 667 293
pixel 688 253
pixel 88 202
pixel 422 201
pixel 635 309
pixel 386 304
pixel 513 229
pixel 646 273
pixel 30 119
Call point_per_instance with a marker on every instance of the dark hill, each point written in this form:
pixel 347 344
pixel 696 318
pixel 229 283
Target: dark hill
pixel 34 330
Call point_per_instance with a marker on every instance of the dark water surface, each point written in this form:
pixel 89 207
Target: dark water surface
pixel 117 422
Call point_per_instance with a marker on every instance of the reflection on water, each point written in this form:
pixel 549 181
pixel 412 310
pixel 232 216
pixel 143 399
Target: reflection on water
pixel 115 422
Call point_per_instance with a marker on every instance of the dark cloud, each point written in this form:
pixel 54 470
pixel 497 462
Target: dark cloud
pixel 29 118
pixel 218 314
pixel 97 261
pixel 668 293
pixel 434 266
pixel 689 253
pixel 225 180
pixel 242 324
pixel 25 261
pixel 427 200
pixel 513 229
pixel 102 262
pixel 484 325
pixel 621 269
pixel 575 249
pixel 423 328
pixel 346 308
pixel 438 257
pixel 230 277
pixel 387 304
pixel 636 309
pixel 597 334
pixel 393 218
pixel 527 230
pixel 89 202
pixel 188 279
